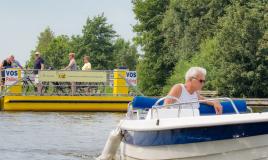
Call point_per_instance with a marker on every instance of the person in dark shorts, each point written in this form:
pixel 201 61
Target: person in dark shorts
pixel 38 65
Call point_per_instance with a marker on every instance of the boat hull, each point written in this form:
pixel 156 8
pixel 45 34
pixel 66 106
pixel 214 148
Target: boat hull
pixel 65 103
pixel 247 148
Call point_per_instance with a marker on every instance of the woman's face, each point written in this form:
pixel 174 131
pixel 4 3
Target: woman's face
pixel 85 60
pixel 198 81
pixel 70 57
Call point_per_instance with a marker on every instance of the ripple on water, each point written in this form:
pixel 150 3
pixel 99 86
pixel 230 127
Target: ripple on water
pixel 54 135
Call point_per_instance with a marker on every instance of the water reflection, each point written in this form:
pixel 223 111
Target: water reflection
pixel 54 135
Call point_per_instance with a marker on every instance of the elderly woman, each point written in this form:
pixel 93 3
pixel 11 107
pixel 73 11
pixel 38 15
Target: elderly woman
pixel 72 64
pixel 188 92
pixel 72 67
pixel 87 65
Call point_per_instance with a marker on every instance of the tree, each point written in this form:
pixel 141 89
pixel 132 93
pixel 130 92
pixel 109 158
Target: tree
pixel 206 58
pixel 154 68
pixel 187 23
pixel 76 45
pixel 231 44
pixel 56 54
pixel 97 42
pixel 125 54
pixel 44 39
pixel 242 50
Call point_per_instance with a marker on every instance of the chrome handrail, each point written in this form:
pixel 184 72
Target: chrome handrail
pixel 156 106
pixel 129 113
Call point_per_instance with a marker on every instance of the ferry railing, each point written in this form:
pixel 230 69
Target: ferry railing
pixel 5 89
pixel 29 85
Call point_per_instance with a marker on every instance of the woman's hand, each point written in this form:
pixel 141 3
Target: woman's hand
pixel 217 106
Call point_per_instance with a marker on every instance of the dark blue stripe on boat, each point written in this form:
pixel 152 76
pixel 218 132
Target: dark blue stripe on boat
pixel 194 135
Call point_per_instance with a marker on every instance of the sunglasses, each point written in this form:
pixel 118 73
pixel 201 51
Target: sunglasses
pixel 200 80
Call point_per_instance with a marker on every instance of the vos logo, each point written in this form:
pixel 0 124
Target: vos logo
pixel 11 73
pixel 132 74
pixel 11 76
pixel 131 78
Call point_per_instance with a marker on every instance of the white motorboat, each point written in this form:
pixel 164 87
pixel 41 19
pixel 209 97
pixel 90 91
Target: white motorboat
pixel 179 131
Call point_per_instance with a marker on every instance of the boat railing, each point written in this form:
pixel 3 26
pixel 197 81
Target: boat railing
pixel 141 113
pixel 180 105
pixel 68 83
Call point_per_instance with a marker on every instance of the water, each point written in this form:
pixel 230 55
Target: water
pixel 54 135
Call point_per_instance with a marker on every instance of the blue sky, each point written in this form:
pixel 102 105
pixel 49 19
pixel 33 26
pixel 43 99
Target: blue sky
pixel 23 20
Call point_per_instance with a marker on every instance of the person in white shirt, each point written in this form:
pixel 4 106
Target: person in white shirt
pixel 87 65
pixel 188 92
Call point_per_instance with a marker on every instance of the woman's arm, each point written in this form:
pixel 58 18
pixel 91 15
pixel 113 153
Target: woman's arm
pixel 175 91
pixel 216 104
pixel 69 65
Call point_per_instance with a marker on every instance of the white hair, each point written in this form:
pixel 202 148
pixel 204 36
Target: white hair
pixel 194 71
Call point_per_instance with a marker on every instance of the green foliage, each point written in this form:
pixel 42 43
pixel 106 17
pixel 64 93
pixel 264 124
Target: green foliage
pixel 241 33
pixel 54 49
pixel 56 54
pixel 153 69
pixel 44 39
pixel 76 45
pixel 187 23
pixel 98 40
pixel 125 54
pixel 228 38
pixel 43 42
pixel 177 76
pixel 171 33
pixel 206 59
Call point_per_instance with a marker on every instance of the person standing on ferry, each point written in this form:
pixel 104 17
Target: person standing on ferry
pixel 72 67
pixel 38 65
pixel 15 63
pixel 72 64
pixel 10 62
pixel 7 63
pixel 87 65
pixel 189 92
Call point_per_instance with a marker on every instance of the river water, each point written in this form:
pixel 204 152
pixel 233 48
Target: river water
pixel 54 135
